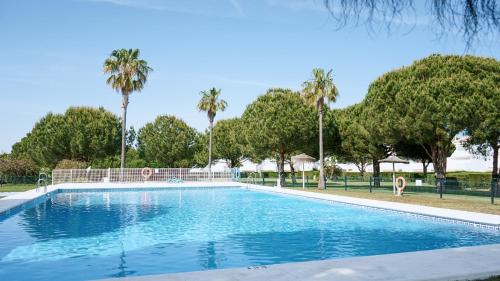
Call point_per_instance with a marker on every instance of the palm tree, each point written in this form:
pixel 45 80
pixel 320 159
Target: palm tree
pixel 128 74
pixel 318 91
pixel 210 103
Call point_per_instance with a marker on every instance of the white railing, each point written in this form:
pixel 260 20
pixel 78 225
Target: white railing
pixel 140 175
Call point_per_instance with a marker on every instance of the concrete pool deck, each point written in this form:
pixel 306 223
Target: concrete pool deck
pixel 466 263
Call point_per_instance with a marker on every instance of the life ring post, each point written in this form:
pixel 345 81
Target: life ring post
pixel 400 188
pixel 146 173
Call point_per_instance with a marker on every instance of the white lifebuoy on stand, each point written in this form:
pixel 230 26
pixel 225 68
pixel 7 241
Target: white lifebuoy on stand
pixel 403 185
pixel 146 173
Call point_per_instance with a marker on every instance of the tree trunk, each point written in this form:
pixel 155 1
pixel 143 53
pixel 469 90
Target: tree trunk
pixel 210 152
pixel 424 169
pixel 494 173
pixel 439 156
pixel 292 172
pixel 362 170
pixel 376 173
pixel 321 180
pixel 281 170
pixel 124 128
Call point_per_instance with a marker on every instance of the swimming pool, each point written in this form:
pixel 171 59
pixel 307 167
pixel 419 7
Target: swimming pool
pixel 91 234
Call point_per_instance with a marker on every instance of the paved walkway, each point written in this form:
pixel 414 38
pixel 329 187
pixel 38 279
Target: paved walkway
pixel 467 263
pixel 5 194
pixel 17 198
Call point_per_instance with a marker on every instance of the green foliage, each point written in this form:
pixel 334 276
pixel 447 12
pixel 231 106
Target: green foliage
pixel 134 159
pixel 131 138
pixel 471 176
pixel 47 143
pixel 211 104
pixel 412 151
pixel 167 142
pixel 332 169
pixel 201 150
pixel 279 122
pixel 355 139
pixel 11 166
pixel 82 134
pixel 229 143
pixel 112 161
pixel 127 72
pixel 331 136
pixel 71 164
pixel 320 90
pixel 357 143
pixel 429 102
pixel 93 133
pixel 483 126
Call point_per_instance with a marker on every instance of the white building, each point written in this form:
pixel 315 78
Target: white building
pixel 460 160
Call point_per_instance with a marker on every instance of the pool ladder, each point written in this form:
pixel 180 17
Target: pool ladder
pixel 252 178
pixel 42 181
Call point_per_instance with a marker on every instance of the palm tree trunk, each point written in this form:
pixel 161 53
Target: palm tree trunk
pixel 210 153
pixel 321 181
pixel 124 127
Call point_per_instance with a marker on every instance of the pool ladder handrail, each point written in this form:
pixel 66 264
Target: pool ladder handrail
pixel 252 178
pixel 42 179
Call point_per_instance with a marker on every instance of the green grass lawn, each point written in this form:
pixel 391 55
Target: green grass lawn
pixel 426 195
pixel 449 201
pixel 16 187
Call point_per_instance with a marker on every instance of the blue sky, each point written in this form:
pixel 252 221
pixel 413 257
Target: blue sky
pixel 51 54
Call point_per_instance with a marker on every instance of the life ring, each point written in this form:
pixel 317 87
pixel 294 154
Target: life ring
pixel 146 173
pixel 403 184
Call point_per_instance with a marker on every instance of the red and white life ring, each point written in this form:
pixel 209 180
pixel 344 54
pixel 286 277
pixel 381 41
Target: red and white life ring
pixel 403 184
pixel 146 173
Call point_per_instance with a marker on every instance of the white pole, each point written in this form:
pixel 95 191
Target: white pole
pixel 393 178
pixel 303 178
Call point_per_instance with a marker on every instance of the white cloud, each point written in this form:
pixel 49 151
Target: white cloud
pixel 217 8
pixel 237 8
pixel 299 5
pixel 132 3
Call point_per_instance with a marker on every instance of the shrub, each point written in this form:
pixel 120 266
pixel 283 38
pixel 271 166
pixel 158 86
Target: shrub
pixel 11 166
pixel 71 164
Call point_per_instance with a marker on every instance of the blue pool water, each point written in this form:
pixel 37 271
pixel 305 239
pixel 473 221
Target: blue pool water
pixel 90 235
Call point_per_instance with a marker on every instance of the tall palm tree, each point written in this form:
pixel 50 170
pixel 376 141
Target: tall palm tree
pixel 128 74
pixel 318 92
pixel 210 103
